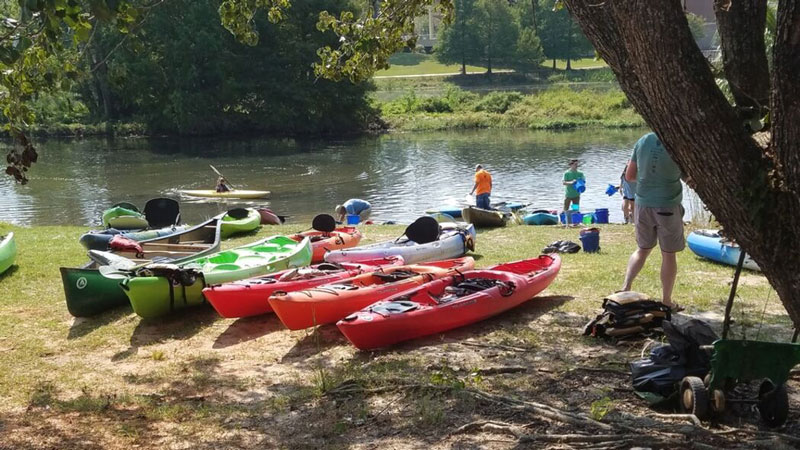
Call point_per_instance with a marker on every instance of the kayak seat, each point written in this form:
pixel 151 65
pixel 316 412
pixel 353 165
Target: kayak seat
pixel 395 307
pixel 162 212
pixel 397 275
pixel 329 267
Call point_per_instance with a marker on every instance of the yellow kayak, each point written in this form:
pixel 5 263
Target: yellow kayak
pixel 236 193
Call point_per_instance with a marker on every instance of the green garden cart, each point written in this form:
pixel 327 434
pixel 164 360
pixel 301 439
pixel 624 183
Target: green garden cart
pixel 743 361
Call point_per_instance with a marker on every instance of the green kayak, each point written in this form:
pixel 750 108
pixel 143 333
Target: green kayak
pixel 158 289
pixel 8 251
pixel 231 225
pixel 124 218
pixel 89 293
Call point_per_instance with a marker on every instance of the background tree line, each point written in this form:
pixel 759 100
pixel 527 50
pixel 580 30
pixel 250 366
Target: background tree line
pixel 510 34
pixel 182 72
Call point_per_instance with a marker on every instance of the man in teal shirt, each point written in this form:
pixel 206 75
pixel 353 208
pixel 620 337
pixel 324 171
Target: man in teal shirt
pixel 572 196
pixel 658 212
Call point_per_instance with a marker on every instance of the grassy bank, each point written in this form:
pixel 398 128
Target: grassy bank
pixel 553 108
pixel 197 380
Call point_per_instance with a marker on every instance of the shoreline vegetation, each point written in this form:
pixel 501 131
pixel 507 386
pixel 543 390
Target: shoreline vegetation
pixel 553 100
pixel 196 379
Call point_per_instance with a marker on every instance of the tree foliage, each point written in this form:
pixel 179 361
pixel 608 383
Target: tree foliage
pixel 561 37
pixel 489 33
pixel 184 73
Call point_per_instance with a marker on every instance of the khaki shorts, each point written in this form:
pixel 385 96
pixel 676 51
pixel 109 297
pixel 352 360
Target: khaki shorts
pixel 664 225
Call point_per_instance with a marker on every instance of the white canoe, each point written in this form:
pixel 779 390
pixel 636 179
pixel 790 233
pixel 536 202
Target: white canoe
pixel 455 241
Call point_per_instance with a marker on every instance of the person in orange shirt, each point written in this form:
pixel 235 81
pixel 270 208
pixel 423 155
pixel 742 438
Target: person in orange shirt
pixel 482 187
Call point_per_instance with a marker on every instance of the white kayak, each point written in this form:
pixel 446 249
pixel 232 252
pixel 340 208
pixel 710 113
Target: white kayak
pixel 236 193
pixel 455 240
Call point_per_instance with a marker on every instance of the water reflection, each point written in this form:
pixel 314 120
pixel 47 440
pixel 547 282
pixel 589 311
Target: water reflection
pixel 400 174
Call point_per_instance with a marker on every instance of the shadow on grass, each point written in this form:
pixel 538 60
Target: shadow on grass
pixel 248 328
pixel 10 271
pixel 82 326
pixel 179 326
pixel 317 341
pixel 408 59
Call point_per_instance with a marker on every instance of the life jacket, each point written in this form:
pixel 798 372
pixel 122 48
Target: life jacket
pixel 627 314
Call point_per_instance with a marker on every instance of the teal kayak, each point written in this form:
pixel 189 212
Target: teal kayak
pixel 8 252
pixel 158 289
pixel 541 218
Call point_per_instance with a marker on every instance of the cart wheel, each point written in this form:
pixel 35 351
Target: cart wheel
pixel 773 403
pixel 694 397
pixel 717 401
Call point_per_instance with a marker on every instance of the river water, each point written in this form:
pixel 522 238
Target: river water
pixel 400 174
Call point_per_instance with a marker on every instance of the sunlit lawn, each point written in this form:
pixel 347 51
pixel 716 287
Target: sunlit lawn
pixel 421 64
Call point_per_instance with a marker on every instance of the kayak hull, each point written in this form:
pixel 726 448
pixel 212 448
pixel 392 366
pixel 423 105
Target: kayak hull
pixel 483 217
pixel 452 211
pixel 268 217
pixel 231 226
pixel 322 243
pixel 708 244
pixel 124 219
pixel 88 293
pixel 154 296
pixel 540 218
pixel 8 252
pixel 455 241
pixel 98 240
pixel 249 297
pixel 429 309
pixel 237 193
pixel 331 302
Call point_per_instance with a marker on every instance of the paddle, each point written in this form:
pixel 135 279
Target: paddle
pixel 221 176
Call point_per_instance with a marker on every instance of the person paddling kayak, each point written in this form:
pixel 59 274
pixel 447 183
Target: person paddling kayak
pixel 222 185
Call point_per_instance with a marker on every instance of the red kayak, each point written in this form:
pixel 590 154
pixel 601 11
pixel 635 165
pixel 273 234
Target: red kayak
pixel 449 302
pixel 322 242
pixel 249 297
pixel 331 302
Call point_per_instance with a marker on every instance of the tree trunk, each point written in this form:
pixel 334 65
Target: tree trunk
pixel 741 27
pixel 554 64
pixel 569 64
pixel 650 49
pixel 463 67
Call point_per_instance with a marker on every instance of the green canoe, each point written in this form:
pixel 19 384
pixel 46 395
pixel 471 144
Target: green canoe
pixel 89 293
pixel 8 251
pixel 158 289
pixel 124 218
pixel 231 225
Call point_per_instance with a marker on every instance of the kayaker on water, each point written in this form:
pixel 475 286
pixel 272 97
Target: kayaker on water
pixel 482 187
pixel 362 208
pixel 222 185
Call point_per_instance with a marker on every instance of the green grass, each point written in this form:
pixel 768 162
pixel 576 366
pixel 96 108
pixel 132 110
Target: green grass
pixel 554 108
pixel 421 64
pixel 114 381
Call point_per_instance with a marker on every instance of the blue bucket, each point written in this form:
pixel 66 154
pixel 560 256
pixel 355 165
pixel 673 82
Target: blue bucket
pixel 601 215
pixel 580 186
pixel 353 219
pixel 575 216
pixel 590 238
pixel 611 190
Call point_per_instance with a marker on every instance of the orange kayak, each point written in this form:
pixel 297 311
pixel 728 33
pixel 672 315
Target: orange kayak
pixel 331 302
pixel 322 242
